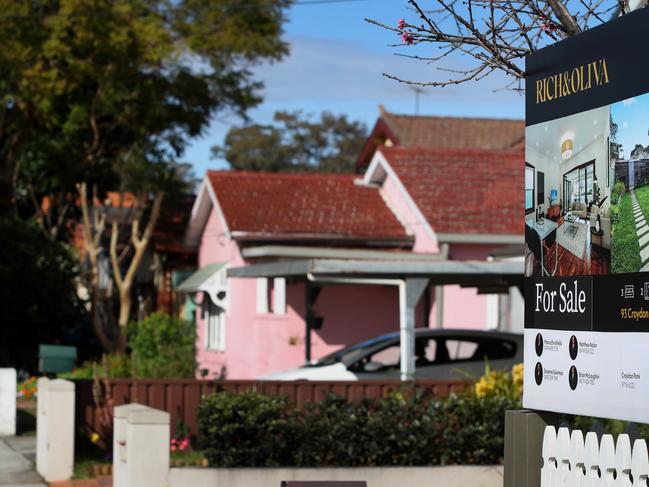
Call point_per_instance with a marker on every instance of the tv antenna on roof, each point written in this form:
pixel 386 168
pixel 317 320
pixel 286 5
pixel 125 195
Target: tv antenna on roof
pixel 418 90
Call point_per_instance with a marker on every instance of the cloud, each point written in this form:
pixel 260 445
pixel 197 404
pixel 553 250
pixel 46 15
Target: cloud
pixel 628 102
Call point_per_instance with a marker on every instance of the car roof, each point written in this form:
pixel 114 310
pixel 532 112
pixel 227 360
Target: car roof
pixel 378 342
pixel 455 332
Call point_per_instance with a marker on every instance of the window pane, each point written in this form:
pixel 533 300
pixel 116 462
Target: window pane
pixel 388 357
pixel 461 349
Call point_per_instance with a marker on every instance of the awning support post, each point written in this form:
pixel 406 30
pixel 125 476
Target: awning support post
pixel 311 293
pixel 410 291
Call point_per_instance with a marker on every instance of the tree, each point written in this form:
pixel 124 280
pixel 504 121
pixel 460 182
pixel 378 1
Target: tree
pixel 91 78
pixel 37 295
pixel 105 94
pixel 495 35
pixel 295 143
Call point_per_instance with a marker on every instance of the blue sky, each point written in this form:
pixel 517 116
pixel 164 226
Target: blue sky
pixel 336 63
pixel 633 126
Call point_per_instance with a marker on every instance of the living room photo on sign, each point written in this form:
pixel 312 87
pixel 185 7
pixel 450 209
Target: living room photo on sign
pixel 569 176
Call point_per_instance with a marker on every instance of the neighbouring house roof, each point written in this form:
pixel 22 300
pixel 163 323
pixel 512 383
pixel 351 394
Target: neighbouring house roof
pixel 174 216
pixel 463 191
pixel 167 234
pixel 442 132
pixel 311 206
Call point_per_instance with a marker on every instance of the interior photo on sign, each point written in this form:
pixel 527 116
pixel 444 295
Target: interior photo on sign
pixel 568 178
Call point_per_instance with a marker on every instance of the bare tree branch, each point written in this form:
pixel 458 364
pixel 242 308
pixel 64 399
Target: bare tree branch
pixel 496 35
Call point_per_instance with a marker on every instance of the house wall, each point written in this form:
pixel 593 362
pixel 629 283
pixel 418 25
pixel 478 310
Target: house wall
pixel 464 307
pixel 257 344
pixel 215 246
pixel 351 313
pixel 415 224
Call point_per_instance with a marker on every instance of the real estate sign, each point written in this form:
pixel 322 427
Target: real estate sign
pixel 587 224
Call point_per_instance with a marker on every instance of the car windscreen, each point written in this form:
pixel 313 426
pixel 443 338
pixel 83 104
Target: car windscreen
pixel 353 352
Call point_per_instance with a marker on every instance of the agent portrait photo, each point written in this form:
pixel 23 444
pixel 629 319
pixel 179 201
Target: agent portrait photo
pixel 573 377
pixel 538 373
pixel 538 344
pixel 573 347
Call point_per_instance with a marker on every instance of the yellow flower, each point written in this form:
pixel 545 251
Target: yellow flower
pixel 483 387
pixel 517 374
pixel 94 437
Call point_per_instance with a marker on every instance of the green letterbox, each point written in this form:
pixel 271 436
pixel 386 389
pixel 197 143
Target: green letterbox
pixel 56 358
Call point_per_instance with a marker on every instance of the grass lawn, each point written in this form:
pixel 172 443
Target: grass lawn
pixel 625 252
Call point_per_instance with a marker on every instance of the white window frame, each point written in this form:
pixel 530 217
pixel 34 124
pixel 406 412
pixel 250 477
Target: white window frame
pixel 279 296
pixel 261 296
pixel 215 328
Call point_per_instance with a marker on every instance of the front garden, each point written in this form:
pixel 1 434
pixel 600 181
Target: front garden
pixel 625 251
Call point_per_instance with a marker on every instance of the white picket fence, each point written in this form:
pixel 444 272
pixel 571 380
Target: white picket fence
pixel 570 460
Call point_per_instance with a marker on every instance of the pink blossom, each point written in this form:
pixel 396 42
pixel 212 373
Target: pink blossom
pixel 401 24
pixel 407 38
pixel 548 26
pixel 173 447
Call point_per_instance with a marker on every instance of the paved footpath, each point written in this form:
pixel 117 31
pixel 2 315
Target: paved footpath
pixel 17 458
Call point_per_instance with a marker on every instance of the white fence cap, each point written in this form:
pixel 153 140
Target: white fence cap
pixel 61 385
pixel 148 416
pixel 122 412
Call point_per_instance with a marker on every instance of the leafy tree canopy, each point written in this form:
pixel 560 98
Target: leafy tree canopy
pixel 85 80
pixel 295 142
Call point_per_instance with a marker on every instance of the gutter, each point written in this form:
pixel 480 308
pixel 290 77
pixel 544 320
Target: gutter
pixel 287 251
pixel 481 238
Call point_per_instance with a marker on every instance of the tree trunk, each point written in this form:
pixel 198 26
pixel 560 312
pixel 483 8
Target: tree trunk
pixel 125 303
pixel 92 233
pixel 124 282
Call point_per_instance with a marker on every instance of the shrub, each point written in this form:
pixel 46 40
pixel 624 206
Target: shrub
pixel 242 430
pixel 255 430
pixel 618 190
pixel 111 366
pixel 163 347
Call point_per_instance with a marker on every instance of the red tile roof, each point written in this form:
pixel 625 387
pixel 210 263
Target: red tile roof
pixel 470 191
pixel 443 133
pixel 456 132
pixel 311 205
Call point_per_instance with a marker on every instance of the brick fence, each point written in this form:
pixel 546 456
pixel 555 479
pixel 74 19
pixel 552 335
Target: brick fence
pixel 181 398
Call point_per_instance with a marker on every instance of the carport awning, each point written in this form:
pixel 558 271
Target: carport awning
pixel 197 280
pixel 464 273
pixel 411 276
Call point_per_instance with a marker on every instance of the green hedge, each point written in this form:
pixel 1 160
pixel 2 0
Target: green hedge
pixel 241 430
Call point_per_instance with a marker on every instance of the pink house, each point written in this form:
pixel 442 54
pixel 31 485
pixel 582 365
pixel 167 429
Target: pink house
pixel 294 266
